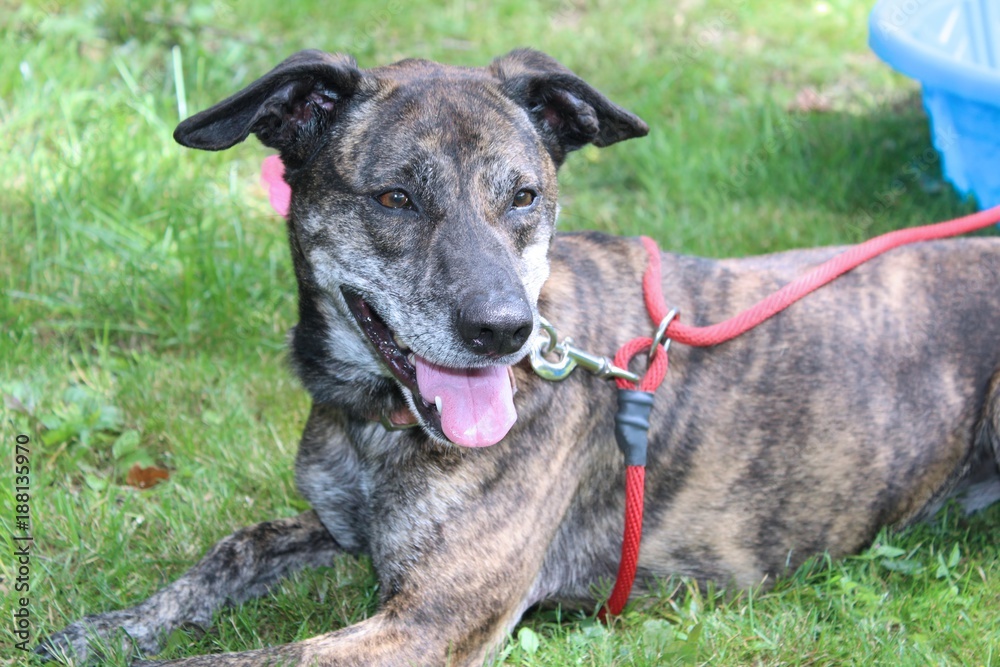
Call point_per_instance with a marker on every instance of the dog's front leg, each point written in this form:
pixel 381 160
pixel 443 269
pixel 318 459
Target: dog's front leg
pixel 389 638
pixel 458 563
pixel 455 615
pixel 239 567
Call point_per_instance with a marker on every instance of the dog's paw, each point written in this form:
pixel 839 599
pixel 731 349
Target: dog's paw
pixel 92 639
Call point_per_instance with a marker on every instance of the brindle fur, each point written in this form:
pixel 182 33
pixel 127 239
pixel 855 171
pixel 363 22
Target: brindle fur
pixel 866 405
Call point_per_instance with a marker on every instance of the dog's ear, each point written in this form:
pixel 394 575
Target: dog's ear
pixel 288 108
pixel 568 112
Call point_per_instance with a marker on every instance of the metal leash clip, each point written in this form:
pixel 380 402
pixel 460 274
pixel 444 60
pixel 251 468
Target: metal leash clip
pixel 570 357
pixel 660 337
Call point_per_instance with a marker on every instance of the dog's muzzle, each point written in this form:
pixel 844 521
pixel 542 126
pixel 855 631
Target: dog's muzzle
pixel 472 407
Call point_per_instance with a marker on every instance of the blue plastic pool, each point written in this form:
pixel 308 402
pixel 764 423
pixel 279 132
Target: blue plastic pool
pixel 953 48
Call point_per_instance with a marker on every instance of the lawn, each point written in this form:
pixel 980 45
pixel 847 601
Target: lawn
pixel 147 291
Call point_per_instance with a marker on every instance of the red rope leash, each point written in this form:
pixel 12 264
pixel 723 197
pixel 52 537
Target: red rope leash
pixel 635 485
pixel 795 290
pixel 652 287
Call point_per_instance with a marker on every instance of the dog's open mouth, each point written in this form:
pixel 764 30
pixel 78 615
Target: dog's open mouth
pixel 472 407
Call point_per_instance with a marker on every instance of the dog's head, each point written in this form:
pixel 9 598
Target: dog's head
pixel 423 205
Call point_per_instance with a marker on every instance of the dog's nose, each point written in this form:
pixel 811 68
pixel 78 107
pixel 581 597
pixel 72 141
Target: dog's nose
pixel 495 327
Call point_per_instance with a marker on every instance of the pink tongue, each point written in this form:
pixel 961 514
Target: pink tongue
pixel 477 406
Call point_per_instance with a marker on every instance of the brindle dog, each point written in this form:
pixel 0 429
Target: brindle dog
pixel 422 232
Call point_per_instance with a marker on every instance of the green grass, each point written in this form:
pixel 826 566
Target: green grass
pixel 147 290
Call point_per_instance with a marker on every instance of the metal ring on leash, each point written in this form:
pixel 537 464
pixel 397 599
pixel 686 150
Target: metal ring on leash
pixel 661 334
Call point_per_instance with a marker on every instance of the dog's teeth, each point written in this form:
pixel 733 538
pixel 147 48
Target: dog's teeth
pixel 438 403
pixel 513 380
pixel 395 340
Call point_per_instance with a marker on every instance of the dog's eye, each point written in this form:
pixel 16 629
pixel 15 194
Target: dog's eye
pixel 394 199
pixel 523 199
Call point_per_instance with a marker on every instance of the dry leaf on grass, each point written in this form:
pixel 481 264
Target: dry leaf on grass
pixel 145 478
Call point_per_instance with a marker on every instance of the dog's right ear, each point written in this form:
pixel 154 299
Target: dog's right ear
pixel 288 108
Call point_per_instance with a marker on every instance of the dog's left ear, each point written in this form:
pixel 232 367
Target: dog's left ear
pixel 568 112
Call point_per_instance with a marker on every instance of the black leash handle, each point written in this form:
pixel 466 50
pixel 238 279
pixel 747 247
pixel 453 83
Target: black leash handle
pixel 632 425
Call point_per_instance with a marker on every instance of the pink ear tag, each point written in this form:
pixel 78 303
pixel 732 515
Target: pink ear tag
pixel 272 176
